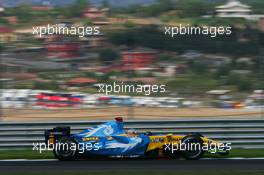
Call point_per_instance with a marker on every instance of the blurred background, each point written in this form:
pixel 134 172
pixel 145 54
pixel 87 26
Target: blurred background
pixel 56 77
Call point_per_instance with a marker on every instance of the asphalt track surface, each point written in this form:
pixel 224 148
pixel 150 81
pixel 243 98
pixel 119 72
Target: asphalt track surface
pixel 148 165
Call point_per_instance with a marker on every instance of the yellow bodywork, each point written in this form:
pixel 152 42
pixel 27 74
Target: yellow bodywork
pixel 158 142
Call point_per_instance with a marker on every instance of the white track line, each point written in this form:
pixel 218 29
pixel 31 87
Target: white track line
pixel 235 158
pixel 27 160
pixel 51 160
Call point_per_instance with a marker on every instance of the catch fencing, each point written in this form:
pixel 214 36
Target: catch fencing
pixel 241 133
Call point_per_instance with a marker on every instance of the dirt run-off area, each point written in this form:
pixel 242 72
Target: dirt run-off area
pixel 139 113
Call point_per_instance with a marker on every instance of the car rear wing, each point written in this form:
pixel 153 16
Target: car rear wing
pixel 51 135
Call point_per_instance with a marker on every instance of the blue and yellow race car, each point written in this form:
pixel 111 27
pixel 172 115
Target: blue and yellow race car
pixel 112 140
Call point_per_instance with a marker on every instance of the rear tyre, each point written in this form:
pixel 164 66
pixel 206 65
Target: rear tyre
pixel 65 149
pixel 193 147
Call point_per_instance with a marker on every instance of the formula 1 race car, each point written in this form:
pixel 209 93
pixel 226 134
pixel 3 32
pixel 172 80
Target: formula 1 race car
pixel 112 140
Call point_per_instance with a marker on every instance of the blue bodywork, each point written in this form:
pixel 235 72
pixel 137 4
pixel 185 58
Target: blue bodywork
pixel 110 139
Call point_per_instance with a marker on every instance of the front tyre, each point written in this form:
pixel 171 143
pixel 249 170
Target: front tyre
pixel 193 147
pixel 65 149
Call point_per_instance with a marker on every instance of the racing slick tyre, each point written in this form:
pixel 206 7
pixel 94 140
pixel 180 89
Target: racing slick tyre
pixel 193 147
pixel 65 149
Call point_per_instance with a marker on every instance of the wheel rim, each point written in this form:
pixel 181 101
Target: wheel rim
pixel 64 149
pixel 192 153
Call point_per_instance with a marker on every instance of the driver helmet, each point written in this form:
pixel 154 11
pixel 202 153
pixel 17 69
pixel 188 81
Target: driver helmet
pixel 131 132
